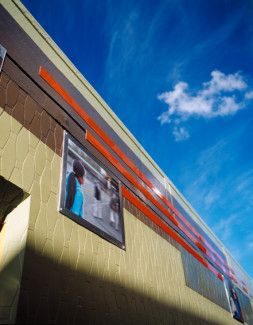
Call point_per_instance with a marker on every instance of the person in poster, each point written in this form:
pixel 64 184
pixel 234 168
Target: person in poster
pixel 97 210
pixel 74 192
pixel 234 304
pixel 114 212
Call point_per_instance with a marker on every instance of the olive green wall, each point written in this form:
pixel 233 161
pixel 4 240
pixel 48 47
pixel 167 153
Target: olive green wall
pixel 72 275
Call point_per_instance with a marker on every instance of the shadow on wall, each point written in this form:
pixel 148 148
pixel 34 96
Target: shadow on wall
pixel 13 229
pixel 10 197
pixel 9 289
pixel 55 294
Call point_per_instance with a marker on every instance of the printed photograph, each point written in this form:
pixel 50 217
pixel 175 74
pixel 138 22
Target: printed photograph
pixel 90 195
pixel 2 56
pixel 234 303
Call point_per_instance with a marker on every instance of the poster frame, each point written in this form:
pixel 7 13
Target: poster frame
pixel 62 209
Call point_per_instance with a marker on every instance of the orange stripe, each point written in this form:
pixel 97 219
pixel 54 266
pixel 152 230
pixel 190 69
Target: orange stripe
pixel 90 138
pixel 80 111
pixel 95 143
pixel 143 208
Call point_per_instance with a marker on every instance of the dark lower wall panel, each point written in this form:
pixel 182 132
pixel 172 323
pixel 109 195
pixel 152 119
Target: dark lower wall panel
pixel 201 280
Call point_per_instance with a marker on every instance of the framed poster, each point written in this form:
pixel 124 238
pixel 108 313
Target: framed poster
pixel 233 300
pixel 90 195
pixel 2 56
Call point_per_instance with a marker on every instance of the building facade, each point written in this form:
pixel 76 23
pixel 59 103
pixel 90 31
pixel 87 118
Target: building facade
pixel 92 231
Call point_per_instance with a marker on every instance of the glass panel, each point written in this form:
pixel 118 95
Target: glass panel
pixel 201 280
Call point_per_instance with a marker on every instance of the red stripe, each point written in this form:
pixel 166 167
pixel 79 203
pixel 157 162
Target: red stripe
pixel 144 209
pixel 80 111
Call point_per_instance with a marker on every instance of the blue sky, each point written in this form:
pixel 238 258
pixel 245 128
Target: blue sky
pixel 184 69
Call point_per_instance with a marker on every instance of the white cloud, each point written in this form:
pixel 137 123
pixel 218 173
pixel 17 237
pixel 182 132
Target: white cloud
pixel 180 133
pixel 249 95
pixel 228 106
pixel 221 82
pixel 223 95
pixel 182 104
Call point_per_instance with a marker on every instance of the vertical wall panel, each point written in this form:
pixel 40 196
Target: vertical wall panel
pixel 246 307
pixel 203 281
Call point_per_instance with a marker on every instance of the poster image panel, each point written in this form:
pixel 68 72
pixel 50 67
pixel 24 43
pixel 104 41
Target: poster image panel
pixel 90 195
pixel 2 56
pixel 233 299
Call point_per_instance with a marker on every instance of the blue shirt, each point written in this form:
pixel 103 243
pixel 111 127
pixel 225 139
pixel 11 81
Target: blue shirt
pixel 77 206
